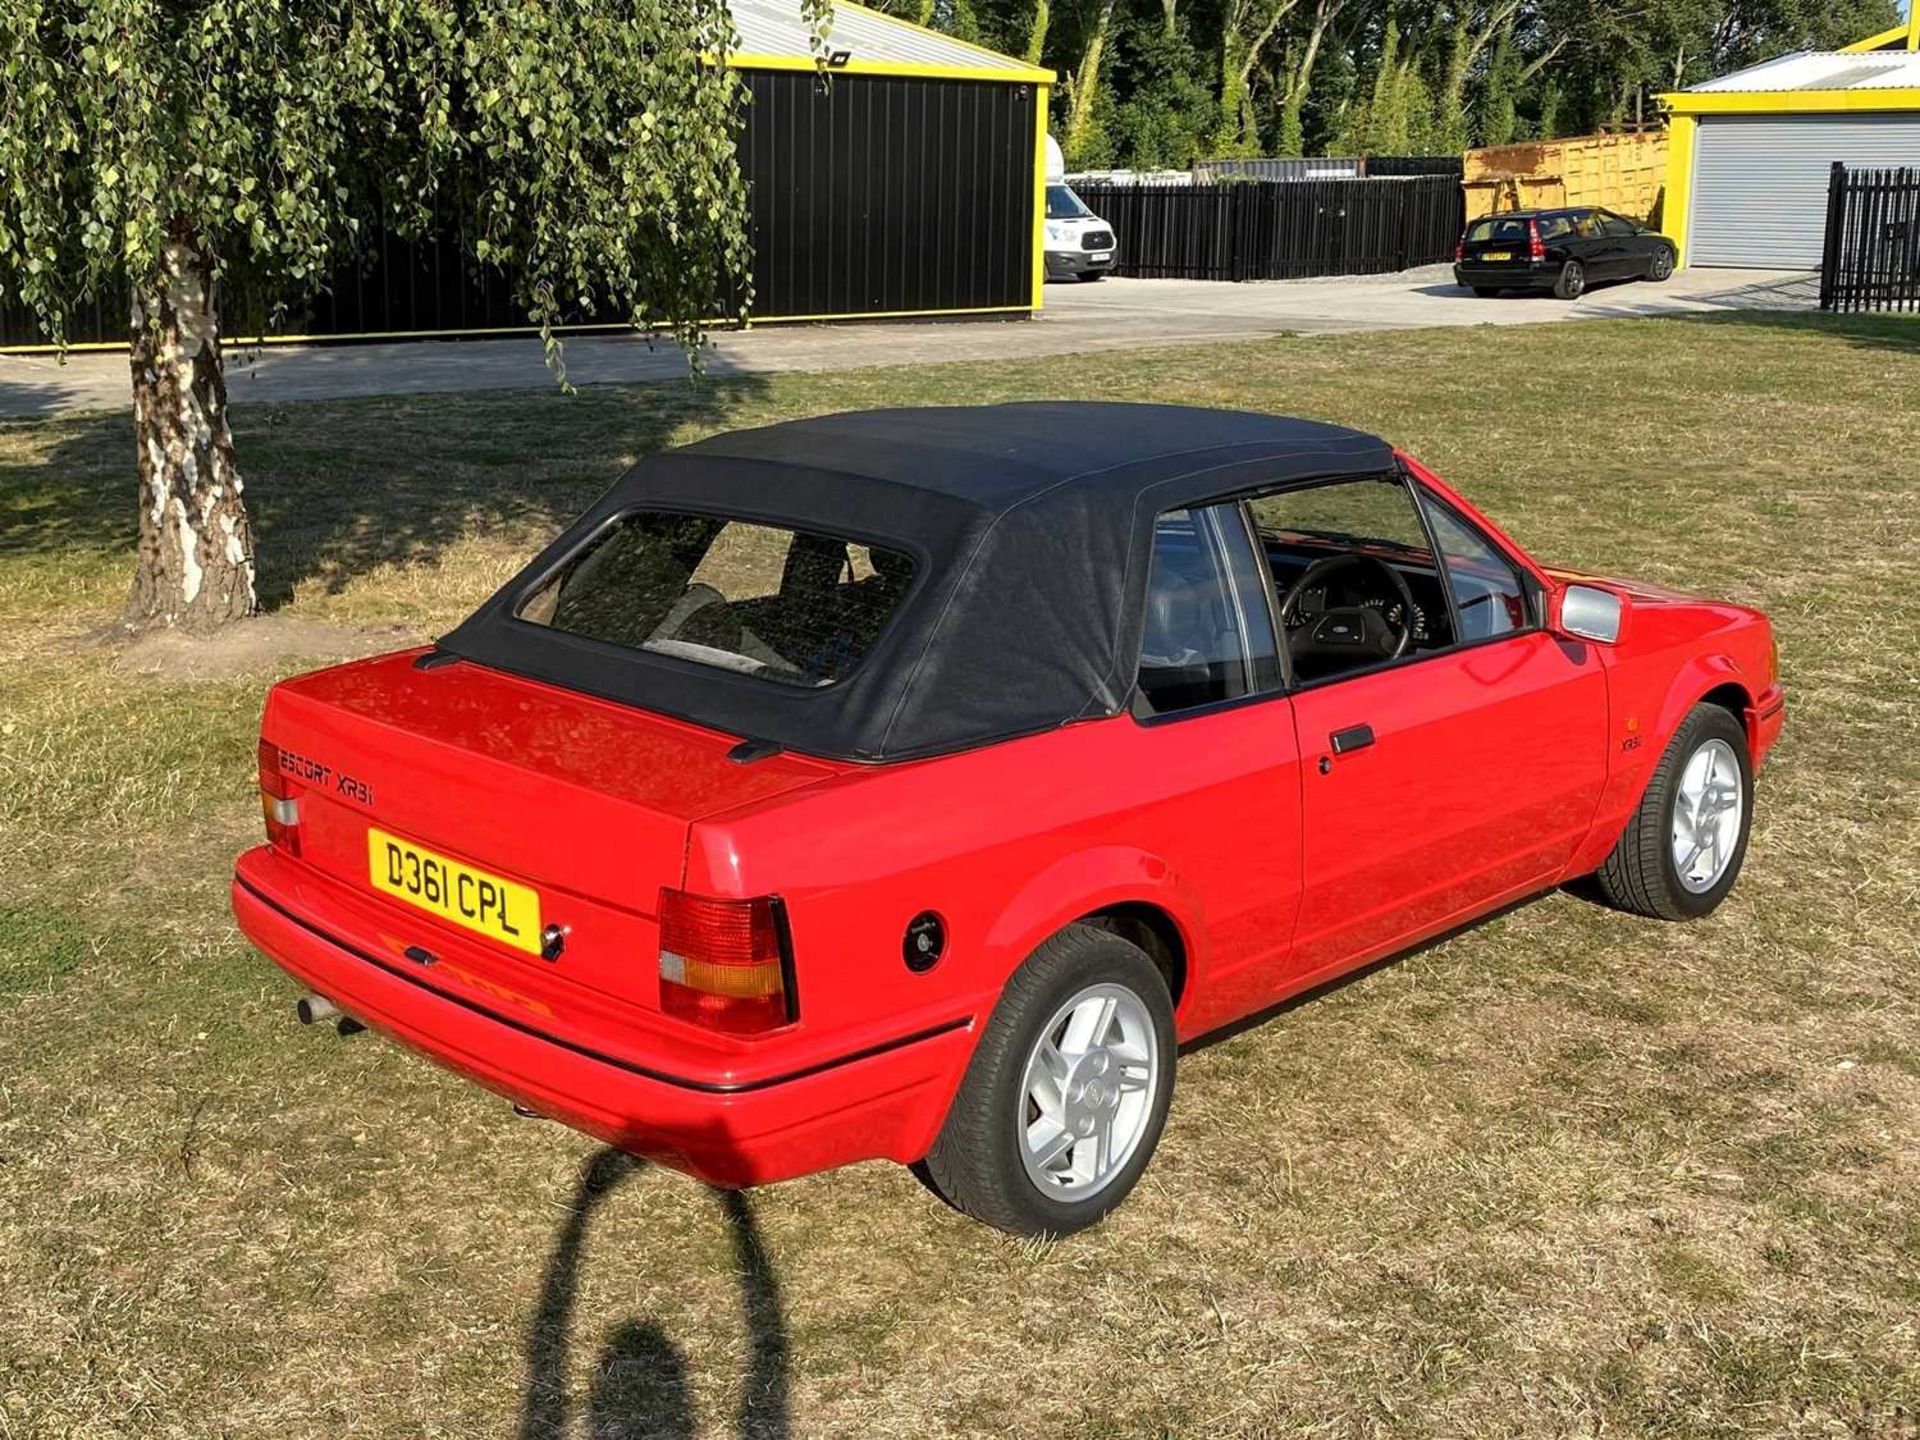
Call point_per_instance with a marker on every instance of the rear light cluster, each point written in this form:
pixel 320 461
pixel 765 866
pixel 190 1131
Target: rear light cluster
pixel 1536 247
pixel 279 799
pixel 1459 250
pixel 724 963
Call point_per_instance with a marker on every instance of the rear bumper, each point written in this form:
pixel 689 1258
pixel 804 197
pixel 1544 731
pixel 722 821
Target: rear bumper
pixel 1505 277
pixel 877 1102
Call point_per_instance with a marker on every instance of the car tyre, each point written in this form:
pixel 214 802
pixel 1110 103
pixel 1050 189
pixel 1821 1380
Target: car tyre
pixel 1089 276
pixel 1486 291
pixel 1660 267
pixel 1645 873
pixel 984 1159
pixel 1572 281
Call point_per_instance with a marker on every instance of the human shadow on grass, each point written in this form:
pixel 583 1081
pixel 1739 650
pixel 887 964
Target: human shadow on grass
pixel 338 489
pixel 639 1387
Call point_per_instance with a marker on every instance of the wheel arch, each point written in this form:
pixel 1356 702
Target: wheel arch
pixel 1154 930
pixel 1125 890
pixel 1651 724
pixel 1715 679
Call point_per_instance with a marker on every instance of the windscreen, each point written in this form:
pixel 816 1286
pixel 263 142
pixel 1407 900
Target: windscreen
pixel 788 606
pixel 1063 204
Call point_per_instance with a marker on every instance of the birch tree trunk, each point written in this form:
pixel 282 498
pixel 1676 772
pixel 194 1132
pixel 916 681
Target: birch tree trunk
pixel 1086 83
pixel 194 567
pixel 1037 32
pixel 1299 72
pixel 1239 128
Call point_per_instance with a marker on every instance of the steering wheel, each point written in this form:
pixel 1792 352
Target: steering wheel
pixel 1347 632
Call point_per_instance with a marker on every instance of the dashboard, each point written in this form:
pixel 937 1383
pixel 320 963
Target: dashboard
pixel 1354 586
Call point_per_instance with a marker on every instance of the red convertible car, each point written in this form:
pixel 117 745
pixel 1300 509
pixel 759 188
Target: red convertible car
pixel 912 784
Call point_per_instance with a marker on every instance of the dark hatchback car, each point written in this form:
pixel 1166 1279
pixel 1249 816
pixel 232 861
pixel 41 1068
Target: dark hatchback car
pixel 1559 250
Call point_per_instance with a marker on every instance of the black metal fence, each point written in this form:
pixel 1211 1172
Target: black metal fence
pixel 1280 230
pixel 1872 256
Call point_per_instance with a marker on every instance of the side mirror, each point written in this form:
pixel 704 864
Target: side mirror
pixel 1586 612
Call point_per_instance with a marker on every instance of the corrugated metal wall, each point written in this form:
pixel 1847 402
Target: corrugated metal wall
pixel 876 194
pixel 1760 181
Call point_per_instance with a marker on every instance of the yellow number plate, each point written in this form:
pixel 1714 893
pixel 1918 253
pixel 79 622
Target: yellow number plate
pixel 1496 255
pixel 508 912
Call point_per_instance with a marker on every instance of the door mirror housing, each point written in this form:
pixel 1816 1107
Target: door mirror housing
pixel 1586 612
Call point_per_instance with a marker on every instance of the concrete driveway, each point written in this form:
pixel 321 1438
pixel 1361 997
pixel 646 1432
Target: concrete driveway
pixel 1113 314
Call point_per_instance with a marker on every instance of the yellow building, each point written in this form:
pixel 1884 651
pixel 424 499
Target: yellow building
pixel 1749 154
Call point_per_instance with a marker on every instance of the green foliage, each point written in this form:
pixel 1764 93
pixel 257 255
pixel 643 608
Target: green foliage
pixel 1168 111
pixel 1498 116
pixel 1611 58
pixel 585 148
pixel 1387 77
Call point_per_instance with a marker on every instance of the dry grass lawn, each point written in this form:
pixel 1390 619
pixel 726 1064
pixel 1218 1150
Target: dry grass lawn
pixel 1568 1173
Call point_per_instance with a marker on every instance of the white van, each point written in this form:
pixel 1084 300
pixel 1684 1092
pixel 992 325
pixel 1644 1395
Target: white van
pixel 1079 243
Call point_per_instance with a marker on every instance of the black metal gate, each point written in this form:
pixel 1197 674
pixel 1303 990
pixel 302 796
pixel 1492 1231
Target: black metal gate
pixel 1280 230
pixel 1871 259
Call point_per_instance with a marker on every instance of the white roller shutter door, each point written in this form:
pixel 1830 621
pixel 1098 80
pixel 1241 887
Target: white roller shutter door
pixel 1760 181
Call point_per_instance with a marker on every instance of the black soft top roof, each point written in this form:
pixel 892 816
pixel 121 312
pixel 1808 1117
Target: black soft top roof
pixel 1030 526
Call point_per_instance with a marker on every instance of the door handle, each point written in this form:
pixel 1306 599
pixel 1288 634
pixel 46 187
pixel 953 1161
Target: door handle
pixel 1354 737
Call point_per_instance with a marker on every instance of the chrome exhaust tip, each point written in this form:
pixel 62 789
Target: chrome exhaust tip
pixel 312 1009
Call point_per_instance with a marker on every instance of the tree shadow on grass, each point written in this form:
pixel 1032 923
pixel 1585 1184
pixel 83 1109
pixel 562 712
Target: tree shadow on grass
pixel 1898 333
pixel 341 488
pixel 639 1386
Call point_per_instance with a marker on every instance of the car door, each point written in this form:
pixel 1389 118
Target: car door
pixel 1455 777
pixel 1593 247
pixel 1633 244
pixel 1214 756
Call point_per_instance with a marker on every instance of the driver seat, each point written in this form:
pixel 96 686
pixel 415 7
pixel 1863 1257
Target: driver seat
pixel 1186 632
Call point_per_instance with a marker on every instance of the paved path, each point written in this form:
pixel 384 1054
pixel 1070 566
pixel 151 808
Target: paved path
pixel 1114 314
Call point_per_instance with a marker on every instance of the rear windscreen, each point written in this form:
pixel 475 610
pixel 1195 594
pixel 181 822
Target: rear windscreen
pixel 790 606
pixel 1484 230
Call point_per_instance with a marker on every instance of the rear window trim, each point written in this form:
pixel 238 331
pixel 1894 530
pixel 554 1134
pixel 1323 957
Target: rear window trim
pixel 612 650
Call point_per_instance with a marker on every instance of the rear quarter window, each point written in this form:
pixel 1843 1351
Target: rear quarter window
pixel 793 607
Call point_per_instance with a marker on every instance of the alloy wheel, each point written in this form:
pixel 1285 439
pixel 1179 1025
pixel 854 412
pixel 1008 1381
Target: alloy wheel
pixel 1090 1084
pixel 1707 807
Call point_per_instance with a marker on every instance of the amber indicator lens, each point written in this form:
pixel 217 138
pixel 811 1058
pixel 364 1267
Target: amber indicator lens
pixel 722 964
